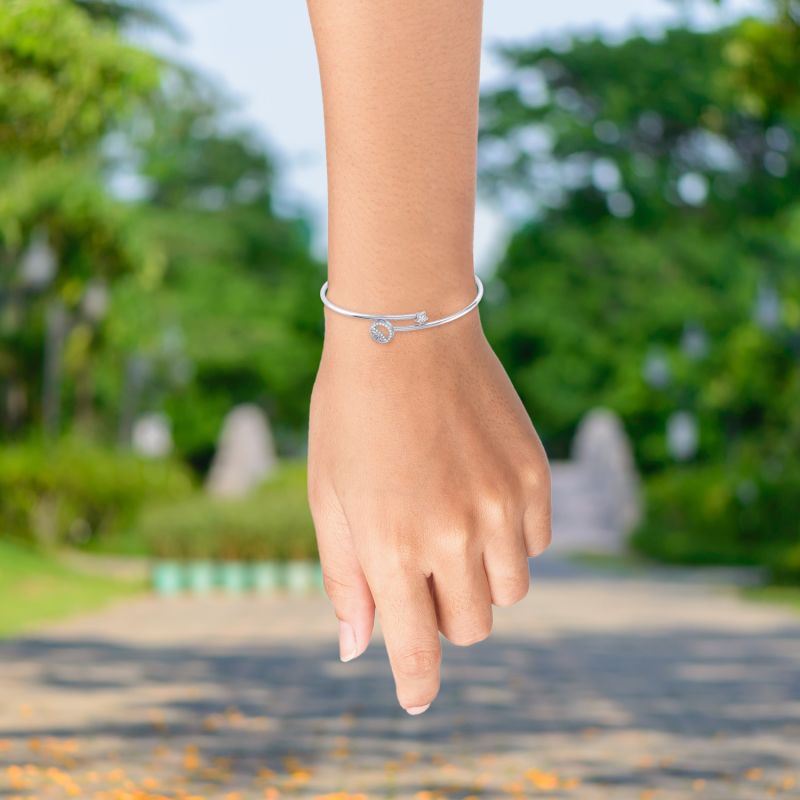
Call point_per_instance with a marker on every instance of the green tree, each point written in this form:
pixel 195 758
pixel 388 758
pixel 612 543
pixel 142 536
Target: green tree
pixel 232 321
pixel 128 13
pixel 654 266
pixel 65 82
pixel 764 55
pixel 64 79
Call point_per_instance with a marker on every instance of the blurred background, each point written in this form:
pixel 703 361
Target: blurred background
pixel 162 241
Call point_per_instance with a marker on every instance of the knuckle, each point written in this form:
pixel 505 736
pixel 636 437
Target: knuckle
pixel 419 662
pixel 537 479
pixel 393 563
pixel 470 636
pixel 511 594
pixel 456 543
pixel 336 588
pixel 538 543
pixel 495 507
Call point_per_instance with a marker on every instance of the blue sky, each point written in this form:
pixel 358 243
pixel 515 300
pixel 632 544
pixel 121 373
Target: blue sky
pixel 262 53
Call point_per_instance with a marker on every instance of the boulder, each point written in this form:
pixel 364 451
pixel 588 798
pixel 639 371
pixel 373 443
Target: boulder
pixel 245 454
pixel 602 451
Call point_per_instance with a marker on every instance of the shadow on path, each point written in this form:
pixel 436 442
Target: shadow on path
pixel 500 696
pixel 623 683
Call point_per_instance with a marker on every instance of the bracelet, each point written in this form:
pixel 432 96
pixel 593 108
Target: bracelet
pixel 382 330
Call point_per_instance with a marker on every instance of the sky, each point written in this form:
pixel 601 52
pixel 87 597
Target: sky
pixel 262 53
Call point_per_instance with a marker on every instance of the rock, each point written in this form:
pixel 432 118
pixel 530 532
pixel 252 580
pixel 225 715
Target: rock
pixel 602 451
pixel 245 454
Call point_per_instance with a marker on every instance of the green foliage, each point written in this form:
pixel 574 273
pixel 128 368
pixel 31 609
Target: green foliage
pixel 763 60
pixel 236 292
pixel 601 129
pixel 208 283
pixel 128 14
pixel 788 596
pixel 66 82
pixel 785 565
pixel 94 240
pixel 654 269
pixel 74 492
pixel 603 301
pixel 707 515
pixel 272 523
pixel 63 78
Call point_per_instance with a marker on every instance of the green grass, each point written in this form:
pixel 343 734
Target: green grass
pixel 613 562
pixel 35 588
pixel 780 595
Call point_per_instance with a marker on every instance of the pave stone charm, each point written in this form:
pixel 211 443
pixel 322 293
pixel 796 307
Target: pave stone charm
pixel 381 331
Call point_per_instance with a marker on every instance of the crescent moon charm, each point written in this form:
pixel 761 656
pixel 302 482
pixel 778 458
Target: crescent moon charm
pixel 381 331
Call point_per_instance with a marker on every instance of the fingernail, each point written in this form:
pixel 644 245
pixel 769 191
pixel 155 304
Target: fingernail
pixel 348 647
pixel 414 710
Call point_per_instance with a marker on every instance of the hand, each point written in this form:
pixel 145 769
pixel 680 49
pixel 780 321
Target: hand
pixel 429 489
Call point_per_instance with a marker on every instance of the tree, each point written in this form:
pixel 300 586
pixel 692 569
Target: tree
pixel 127 13
pixel 763 56
pixel 65 82
pixel 239 278
pixel 654 266
pixel 64 79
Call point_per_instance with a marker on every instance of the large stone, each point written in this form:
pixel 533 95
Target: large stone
pixel 245 454
pixel 602 451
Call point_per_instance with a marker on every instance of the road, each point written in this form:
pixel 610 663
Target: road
pixel 601 684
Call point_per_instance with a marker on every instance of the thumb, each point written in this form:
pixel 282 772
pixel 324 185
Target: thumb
pixel 343 578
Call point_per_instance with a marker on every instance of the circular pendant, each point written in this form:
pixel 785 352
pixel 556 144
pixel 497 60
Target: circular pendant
pixel 381 331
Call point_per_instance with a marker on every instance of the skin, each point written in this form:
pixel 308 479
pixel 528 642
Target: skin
pixel 428 485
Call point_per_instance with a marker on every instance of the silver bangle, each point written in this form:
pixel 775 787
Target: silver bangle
pixel 382 330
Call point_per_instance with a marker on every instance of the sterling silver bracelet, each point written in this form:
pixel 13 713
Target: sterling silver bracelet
pixel 382 330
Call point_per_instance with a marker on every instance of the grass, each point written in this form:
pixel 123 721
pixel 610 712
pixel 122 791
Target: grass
pixel 779 595
pixel 613 562
pixel 35 588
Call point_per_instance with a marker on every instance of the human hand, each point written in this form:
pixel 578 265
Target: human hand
pixel 429 489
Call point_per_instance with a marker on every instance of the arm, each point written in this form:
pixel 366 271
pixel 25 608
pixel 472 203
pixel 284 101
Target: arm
pixel 400 87
pixel 427 482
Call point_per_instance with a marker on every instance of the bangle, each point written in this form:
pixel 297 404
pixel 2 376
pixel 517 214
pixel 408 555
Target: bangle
pixel 382 329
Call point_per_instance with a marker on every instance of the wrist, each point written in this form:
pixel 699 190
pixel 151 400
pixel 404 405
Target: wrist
pixel 384 326
pixel 440 289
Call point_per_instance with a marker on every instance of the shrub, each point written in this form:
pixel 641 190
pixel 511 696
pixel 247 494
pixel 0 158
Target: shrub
pixel 75 492
pixel 785 565
pixel 714 514
pixel 271 523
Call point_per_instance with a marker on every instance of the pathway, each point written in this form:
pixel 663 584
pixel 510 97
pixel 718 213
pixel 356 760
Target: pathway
pixel 598 685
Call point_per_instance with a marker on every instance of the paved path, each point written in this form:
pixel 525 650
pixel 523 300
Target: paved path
pixel 597 686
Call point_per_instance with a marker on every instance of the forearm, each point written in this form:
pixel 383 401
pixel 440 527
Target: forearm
pixel 400 89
